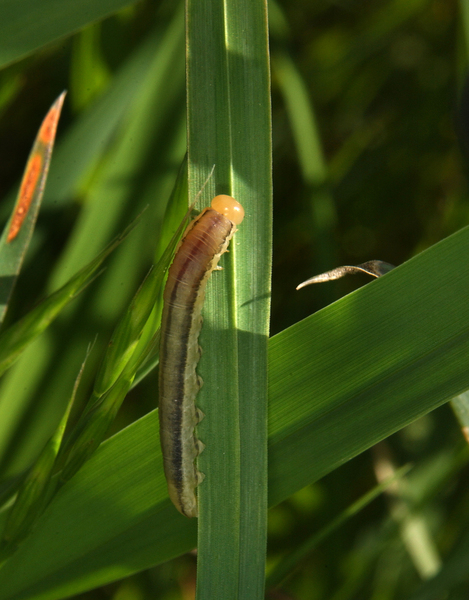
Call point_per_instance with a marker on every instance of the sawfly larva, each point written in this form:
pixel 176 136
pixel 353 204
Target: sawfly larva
pixel 199 251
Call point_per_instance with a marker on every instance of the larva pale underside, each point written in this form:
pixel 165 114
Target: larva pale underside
pixel 204 241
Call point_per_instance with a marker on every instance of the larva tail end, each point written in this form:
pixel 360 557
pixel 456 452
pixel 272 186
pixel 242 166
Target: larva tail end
pixel 229 207
pixel 187 504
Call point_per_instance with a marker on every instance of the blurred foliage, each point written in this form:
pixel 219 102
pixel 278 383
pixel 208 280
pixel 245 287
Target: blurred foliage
pixel 384 81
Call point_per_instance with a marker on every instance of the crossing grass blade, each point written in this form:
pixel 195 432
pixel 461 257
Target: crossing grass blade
pixel 340 381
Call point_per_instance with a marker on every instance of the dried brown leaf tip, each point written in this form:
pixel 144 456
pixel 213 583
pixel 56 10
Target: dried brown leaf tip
pixel 375 268
pixel 37 167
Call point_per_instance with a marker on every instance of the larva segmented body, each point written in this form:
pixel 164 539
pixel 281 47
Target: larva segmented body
pixel 204 241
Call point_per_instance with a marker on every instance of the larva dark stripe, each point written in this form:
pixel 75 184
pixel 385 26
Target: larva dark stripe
pixel 197 256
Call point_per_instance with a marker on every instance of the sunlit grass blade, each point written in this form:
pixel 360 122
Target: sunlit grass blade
pixel 360 350
pixel 16 338
pixel 174 214
pixel 378 268
pixel 90 75
pixel 17 234
pixel 81 148
pixel 127 333
pixel 229 126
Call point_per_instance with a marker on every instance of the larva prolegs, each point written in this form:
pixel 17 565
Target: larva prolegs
pixel 200 415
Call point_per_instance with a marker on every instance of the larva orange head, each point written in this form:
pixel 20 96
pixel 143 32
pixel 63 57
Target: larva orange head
pixel 228 207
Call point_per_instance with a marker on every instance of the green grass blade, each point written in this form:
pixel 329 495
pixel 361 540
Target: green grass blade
pixel 125 341
pixel 127 334
pixel 380 357
pixel 134 339
pixel 17 234
pixel 143 503
pixel 228 100
pixel 92 427
pixel 89 73
pixel 302 119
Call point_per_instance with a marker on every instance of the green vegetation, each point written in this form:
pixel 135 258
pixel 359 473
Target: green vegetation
pixel 367 462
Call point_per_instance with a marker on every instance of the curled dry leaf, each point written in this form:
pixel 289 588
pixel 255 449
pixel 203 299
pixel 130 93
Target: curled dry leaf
pixel 376 268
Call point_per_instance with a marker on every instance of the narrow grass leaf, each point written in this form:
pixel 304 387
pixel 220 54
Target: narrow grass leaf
pixel 17 234
pixel 174 213
pixel 302 119
pixel 89 73
pixel 148 298
pixel 127 333
pixel 83 144
pixel 16 338
pixel 92 427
